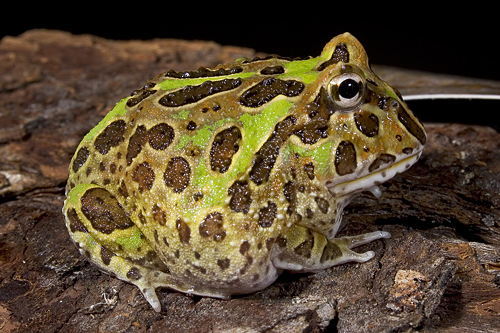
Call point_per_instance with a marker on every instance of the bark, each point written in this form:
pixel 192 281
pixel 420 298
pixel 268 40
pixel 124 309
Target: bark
pixel 438 272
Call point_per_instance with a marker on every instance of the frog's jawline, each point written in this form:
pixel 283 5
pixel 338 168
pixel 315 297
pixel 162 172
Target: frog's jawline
pixel 373 179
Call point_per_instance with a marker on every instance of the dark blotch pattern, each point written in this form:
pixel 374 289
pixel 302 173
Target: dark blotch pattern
pixel 193 94
pixel 178 174
pixel 226 143
pixel 323 204
pixel 160 136
pixel 212 226
pixel 134 274
pixel 316 127
pixel 367 123
pixel 184 231
pixel 135 143
pixel 159 215
pixel 138 96
pixel 110 137
pixel 341 53
pixel 269 88
pixel 345 158
pixel 330 252
pixel 103 211
pixel 290 193
pixel 144 175
pixel 203 72
pixel 268 153
pixel 75 224
pixel 106 255
pixel 244 247
pixel 272 70
pixel 381 160
pixel 80 158
pixel 223 263
pixel 309 170
pixel 241 197
pixel 267 214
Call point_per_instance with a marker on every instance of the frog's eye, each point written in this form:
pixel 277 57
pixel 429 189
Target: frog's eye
pixel 347 90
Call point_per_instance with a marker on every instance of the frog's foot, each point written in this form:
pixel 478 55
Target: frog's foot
pixel 309 251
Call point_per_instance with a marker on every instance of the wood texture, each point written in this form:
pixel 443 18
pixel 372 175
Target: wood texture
pixel 440 271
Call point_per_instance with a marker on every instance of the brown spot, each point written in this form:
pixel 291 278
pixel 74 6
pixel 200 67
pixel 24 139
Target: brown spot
pixel 212 226
pixel 381 160
pixel 106 255
pixel 122 190
pixel 144 175
pixel 323 204
pixel 191 126
pixel 273 70
pixel 316 127
pixel 223 263
pixel 305 248
pixel 345 158
pixel 75 224
pixel 241 197
pixel 136 142
pixel 267 214
pixel 269 88
pixel 330 252
pixel 244 247
pixel 104 212
pixel 204 72
pixel 80 158
pixel 268 153
pixel 226 144
pixel 407 151
pixel 193 94
pixel 269 243
pixel 290 193
pixel 110 137
pixel 309 170
pixel 159 215
pixel 367 123
pixel 341 53
pixel 161 136
pixel 178 174
pixel 184 231
pixel 134 274
pixel 142 218
pixel 309 213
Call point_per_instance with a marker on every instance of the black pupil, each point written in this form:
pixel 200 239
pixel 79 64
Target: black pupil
pixel 348 88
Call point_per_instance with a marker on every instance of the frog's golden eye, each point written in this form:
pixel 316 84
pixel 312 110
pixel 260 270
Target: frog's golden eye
pixel 347 90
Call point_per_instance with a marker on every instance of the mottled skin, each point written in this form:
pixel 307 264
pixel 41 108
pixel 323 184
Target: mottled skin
pixel 212 182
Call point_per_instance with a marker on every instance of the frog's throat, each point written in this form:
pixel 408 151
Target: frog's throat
pixel 373 179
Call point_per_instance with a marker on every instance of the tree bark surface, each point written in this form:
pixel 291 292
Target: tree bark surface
pixel 440 270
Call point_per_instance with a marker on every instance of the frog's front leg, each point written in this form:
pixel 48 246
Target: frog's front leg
pixel 302 249
pixel 109 237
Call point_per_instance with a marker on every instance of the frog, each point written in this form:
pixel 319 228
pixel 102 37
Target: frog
pixel 212 182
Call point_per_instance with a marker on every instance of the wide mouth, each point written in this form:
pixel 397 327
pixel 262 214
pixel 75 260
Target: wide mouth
pixel 372 180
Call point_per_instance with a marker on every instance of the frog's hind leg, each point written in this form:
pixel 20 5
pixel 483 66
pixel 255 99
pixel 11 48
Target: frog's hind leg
pixel 105 234
pixel 308 251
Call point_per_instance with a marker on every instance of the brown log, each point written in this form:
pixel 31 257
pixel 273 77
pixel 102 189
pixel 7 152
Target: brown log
pixel 440 271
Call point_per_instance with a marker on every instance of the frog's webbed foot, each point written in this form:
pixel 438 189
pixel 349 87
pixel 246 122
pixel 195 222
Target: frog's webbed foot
pixel 309 251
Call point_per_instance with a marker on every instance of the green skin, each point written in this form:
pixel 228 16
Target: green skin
pixel 192 227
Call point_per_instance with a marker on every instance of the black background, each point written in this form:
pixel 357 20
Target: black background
pixel 462 41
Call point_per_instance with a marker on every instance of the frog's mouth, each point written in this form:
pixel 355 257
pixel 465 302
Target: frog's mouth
pixel 371 181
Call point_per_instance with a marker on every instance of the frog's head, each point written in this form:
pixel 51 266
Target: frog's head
pixel 374 135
